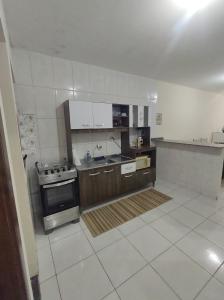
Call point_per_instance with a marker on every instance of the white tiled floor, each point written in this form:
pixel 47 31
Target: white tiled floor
pixel 173 252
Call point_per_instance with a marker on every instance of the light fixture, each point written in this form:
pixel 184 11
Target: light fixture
pixel 193 6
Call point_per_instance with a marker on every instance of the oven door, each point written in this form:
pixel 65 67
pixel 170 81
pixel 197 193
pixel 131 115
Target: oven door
pixel 59 196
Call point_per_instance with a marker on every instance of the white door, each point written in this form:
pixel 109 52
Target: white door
pixel 140 116
pixel 102 115
pixel 81 116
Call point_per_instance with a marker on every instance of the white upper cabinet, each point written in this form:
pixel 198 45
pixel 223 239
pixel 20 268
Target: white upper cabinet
pixel 140 116
pixel 131 116
pixel 81 115
pixel 102 115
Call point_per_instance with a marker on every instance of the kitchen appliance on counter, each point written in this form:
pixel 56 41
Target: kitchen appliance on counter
pixel 143 162
pixel 218 137
pixel 59 194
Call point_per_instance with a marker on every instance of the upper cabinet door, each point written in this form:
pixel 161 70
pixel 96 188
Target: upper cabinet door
pixel 102 115
pixel 81 116
pixel 131 115
pixel 140 116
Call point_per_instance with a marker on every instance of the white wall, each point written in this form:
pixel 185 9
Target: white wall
pixel 188 113
pixel 43 83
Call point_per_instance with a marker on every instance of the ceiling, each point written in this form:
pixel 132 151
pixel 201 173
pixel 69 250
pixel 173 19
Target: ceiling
pixel 150 38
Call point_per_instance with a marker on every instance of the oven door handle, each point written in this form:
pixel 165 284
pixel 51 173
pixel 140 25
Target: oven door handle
pixel 49 186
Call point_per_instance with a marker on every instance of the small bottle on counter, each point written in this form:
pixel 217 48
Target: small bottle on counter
pixel 88 156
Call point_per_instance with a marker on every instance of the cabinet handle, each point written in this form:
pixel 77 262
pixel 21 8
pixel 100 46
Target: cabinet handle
pixel 99 125
pixel 146 173
pixel 109 171
pixel 94 174
pixel 85 125
pixel 128 176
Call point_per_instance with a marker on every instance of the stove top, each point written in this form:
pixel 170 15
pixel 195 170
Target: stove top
pixel 55 173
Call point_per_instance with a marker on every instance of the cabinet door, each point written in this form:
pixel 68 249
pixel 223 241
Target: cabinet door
pixel 89 185
pixel 111 182
pixel 145 176
pixel 140 116
pixel 99 185
pixel 131 121
pixel 81 116
pixel 102 115
pixel 128 182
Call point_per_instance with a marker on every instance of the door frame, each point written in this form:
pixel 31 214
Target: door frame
pixel 12 275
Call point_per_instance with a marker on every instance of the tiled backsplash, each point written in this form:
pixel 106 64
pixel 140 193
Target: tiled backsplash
pixel 43 83
pixel 83 142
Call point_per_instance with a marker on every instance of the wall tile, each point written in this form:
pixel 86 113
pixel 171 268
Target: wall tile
pixel 96 79
pixel 133 86
pixel 42 69
pixel 84 137
pixel 61 97
pixel 48 135
pixel 81 76
pixel 98 152
pixel 49 155
pixel 81 149
pixel 62 70
pixel 122 84
pixel 25 99
pixel 21 67
pixel 110 82
pixel 36 203
pixel 45 102
pixel 113 148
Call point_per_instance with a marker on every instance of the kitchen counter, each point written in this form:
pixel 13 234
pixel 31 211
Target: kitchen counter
pixel 197 166
pixel 211 145
pixel 110 160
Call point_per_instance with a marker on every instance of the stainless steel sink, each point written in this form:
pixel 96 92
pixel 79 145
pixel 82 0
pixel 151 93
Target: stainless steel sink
pixel 106 161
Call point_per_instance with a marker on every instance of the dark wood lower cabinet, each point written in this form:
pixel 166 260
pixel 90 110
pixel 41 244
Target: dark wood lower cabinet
pixel 101 184
pixel 145 176
pixel 128 182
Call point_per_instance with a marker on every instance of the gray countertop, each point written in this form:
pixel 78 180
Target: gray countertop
pixel 190 143
pixel 107 162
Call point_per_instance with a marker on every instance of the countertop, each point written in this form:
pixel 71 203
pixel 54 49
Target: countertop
pixel 117 160
pixel 210 145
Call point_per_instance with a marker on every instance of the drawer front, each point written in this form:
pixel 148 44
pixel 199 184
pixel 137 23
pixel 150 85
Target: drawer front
pixel 128 182
pixel 128 168
pixel 145 176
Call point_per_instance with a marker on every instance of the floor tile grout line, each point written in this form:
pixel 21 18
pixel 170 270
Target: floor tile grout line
pixel 146 263
pixel 74 264
pixel 203 287
pixel 59 290
pixel 147 223
pixel 165 282
pixel 64 237
pixel 100 264
pixel 113 242
pixel 211 274
pixel 114 291
pixel 82 229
